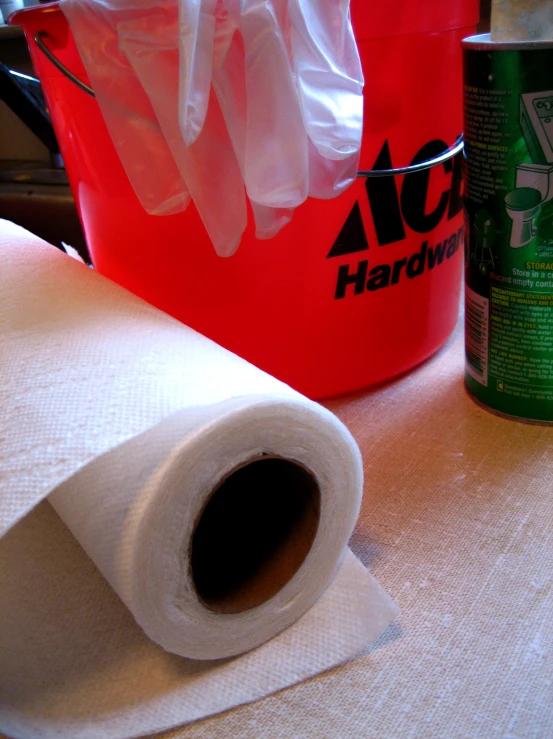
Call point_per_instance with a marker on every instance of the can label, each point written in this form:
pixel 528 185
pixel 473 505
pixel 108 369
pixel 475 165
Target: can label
pixel 508 105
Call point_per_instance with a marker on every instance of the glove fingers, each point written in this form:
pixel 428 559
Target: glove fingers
pixel 229 84
pixel 328 178
pixel 276 163
pixel 208 167
pixel 196 38
pixel 329 75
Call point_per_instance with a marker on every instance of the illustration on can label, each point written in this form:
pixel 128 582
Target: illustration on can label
pixel 508 103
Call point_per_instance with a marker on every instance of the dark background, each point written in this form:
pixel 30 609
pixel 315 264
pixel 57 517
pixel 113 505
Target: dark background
pixel 484 15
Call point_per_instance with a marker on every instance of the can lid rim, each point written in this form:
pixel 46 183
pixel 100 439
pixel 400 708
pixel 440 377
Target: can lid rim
pixel 483 41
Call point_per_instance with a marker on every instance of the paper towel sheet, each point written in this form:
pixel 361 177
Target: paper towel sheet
pixel 76 665
pixel 73 661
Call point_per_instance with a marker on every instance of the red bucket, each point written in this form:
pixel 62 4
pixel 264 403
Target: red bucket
pixel 354 290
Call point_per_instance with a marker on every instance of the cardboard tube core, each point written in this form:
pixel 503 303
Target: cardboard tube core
pixel 254 533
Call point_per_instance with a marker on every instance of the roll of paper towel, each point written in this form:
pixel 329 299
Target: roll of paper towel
pixel 216 501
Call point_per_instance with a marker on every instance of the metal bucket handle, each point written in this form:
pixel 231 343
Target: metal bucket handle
pixel 457 147
pixel 38 39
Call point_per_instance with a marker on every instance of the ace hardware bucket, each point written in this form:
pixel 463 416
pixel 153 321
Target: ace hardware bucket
pixel 354 290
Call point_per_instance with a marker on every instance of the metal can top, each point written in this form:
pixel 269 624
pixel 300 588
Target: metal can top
pixel 483 42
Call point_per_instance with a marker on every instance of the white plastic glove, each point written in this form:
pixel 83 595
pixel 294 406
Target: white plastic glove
pixel 204 95
pixel 127 111
pixel 276 165
pixel 330 82
pixel 316 78
pixel 305 99
pixel 229 83
pixel 208 166
pixel 196 39
pixel 130 49
pixel 329 75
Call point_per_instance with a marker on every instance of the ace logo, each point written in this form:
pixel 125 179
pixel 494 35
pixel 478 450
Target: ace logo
pixel 392 212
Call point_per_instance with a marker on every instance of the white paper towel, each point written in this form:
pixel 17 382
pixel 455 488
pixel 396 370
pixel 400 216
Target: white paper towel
pixel 129 421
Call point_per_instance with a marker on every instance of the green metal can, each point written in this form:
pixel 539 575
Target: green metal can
pixel 508 110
